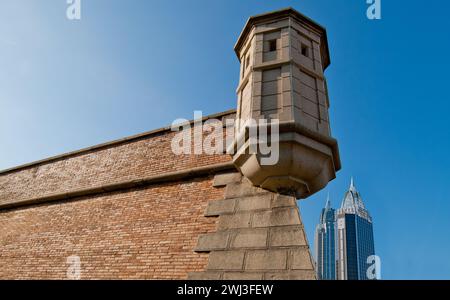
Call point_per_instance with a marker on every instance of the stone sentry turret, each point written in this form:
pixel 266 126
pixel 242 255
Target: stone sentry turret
pixel 283 56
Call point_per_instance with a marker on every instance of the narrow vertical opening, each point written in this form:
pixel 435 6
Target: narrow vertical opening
pixel 272 45
pixel 305 50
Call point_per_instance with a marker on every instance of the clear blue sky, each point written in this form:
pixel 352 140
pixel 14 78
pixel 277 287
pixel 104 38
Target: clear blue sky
pixel 132 66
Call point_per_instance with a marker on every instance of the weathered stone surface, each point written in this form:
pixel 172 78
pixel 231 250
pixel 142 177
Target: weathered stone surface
pixel 287 236
pixel 276 217
pixel 212 241
pixel 291 275
pixel 242 276
pixel 283 201
pixel 258 235
pixel 301 259
pixel 204 276
pixel 262 201
pixel 226 260
pixel 224 179
pixel 218 207
pixel 266 260
pixel 252 229
pixel 238 220
pixel 250 238
pixel 309 156
pixel 245 188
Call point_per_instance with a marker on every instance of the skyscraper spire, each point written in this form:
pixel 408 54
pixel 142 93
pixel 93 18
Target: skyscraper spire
pixel 328 205
pixel 352 200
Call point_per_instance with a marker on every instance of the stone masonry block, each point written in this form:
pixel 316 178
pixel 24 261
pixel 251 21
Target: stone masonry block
pixel 250 238
pixel 285 41
pixel 276 217
pixel 322 99
pixel 246 188
pixel 226 260
pixel 242 276
pixel 262 201
pixel 292 275
pixel 287 236
pixel 257 76
pixel 266 260
pixel 212 241
pixel 238 220
pixel 224 179
pixel 283 201
pixel 204 276
pixel 301 259
pixel 219 207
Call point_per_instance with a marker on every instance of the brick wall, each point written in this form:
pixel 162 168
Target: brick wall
pixel 139 233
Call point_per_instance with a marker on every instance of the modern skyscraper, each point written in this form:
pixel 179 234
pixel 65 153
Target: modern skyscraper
pixel 325 244
pixel 354 238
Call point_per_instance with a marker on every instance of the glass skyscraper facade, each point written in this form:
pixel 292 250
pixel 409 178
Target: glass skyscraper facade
pixel 344 239
pixel 354 237
pixel 325 244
